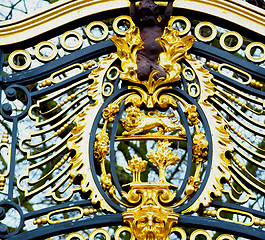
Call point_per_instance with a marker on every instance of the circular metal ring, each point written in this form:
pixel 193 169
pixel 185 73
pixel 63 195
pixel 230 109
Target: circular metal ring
pixel 186 76
pixel 42 45
pixel 202 38
pixel 234 34
pixel 180 18
pixel 112 78
pixel 116 22
pixel 71 33
pixel 75 235
pixel 225 237
pixel 122 229
pixel 107 84
pixel 97 24
pixel 17 67
pixel 248 50
pixel 197 88
pixel 200 232
pixel 99 231
pixel 180 231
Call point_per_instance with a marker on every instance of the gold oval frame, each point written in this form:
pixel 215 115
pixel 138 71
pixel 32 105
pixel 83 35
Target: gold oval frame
pixel 225 237
pixel 122 229
pixel 111 89
pixel 75 235
pixel 202 232
pixel 205 24
pixel 16 67
pixel 109 77
pixel 231 33
pixel 117 20
pixel 97 23
pixel 180 231
pixel 249 56
pixel 184 19
pixel 71 33
pixel 99 231
pixel 43 44
pixel 185 76
pixel 197 87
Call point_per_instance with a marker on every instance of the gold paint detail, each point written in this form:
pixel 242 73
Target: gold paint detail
pixel 233 34
pixel 97 24
pixel 15 66
pixel 82 212
pixel 185 74
pixel 105 86
pixel 123 229
pixel 198 232
pixel 174 49
pixel 197 90
pixel 174 19
pixel 42 45
pixel 197 31
pixel 252 58
pixel 73 236
pixel 136 122
pixel 99 231
pixel 115 76
pixel 68 34
pixel 120 19
pixel 5 144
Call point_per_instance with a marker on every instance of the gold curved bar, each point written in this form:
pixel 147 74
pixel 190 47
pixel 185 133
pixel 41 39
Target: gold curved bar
pixel 61 13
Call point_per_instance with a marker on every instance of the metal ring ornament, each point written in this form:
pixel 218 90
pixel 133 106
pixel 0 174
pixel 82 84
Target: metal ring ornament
pixel 197 90
pixel 202 38
pixel 71 236
pixel 225 237
pixel 45 44
pixel 94 24
pixel 178 230
pixel 107 84
pixel 71 33
pixel 112 78
pixel 185 75
pixel 116 22
pixel 122 229
pixel 234 34
pixel 100 231
pixel 21 223
pixel 16 67
pixel 200 232
pixel 248 50
pixel 181 18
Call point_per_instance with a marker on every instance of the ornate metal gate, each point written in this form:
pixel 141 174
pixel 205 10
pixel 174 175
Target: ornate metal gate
pixel 90 151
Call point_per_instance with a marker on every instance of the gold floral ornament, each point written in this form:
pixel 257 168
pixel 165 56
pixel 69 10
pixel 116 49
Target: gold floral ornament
pixel 192 114
pixel 162 158
pixel 174 48
pixel 199 148
pixel 136 166
pixel 110 111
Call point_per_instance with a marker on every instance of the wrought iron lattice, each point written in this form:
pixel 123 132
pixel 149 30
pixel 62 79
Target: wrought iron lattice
pixel 88 149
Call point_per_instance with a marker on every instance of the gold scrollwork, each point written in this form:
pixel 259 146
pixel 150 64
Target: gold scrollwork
pixel 5 144
pixel 200 232
pixel 225 237
pixel 41 45
pixel 183 19
pixel 98 24
pixel 99 231
pixel 118 20
pixel 235 69
pixel 234 34
pixel 188 71
pixel 105 86
pixel 66 35
pixel 75 235
pixel 123 229
pixel 197 31
pixel 197 90
pixel 249 55
pixel 115 75
pixel 17 53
